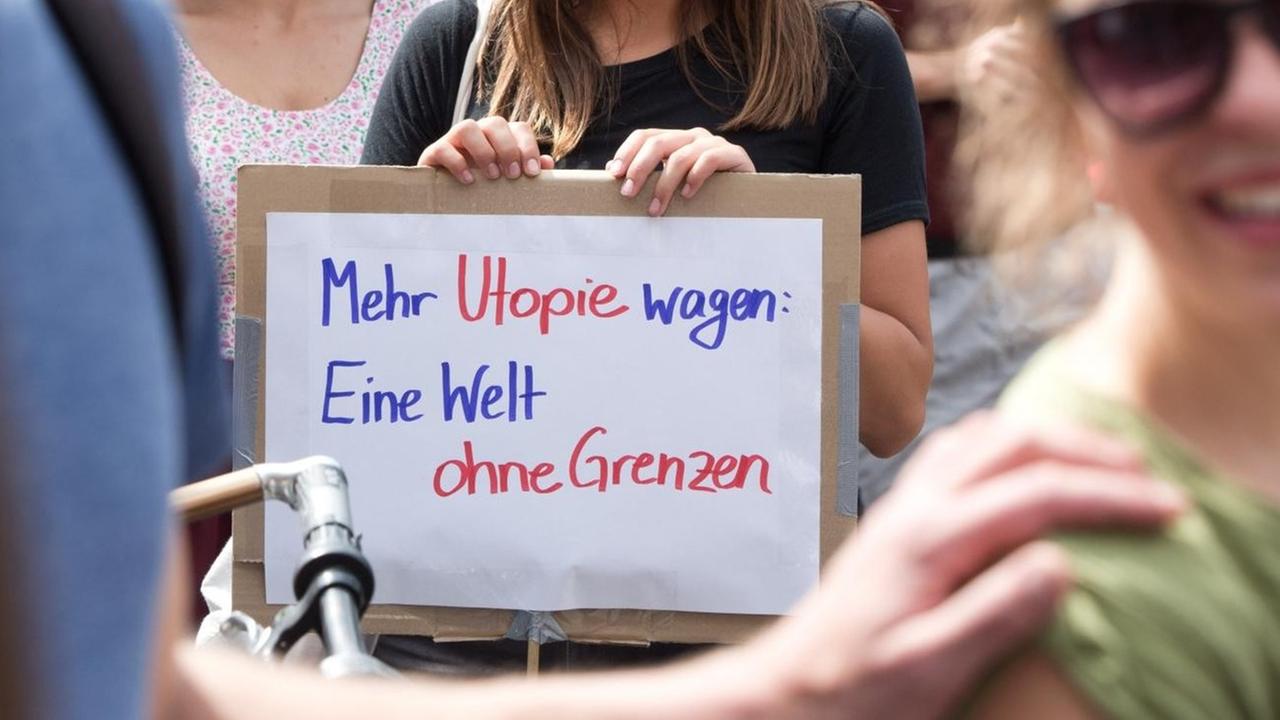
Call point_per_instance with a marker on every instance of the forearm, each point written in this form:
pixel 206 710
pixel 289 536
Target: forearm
pixel 220 686
pixel 934 74
pixel 896 368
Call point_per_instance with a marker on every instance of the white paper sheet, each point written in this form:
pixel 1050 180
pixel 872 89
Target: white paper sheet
pixel 750 395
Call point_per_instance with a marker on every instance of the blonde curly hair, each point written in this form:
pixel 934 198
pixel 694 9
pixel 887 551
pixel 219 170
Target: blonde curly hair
pixel 1031 203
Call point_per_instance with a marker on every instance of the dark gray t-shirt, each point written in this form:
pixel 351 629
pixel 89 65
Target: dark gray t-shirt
pixel 869 123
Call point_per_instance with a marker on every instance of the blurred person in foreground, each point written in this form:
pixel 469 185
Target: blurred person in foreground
pixel 984 330
pixel 112 395
pixel 1174 105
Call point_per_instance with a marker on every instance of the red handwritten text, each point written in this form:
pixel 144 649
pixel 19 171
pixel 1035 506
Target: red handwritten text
pixel 696 471
pixel 594 300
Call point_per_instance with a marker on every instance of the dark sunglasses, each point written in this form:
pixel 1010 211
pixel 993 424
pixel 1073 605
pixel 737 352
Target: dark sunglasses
pixel 1154 65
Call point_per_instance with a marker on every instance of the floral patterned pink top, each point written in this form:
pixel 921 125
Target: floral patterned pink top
pixel 225 132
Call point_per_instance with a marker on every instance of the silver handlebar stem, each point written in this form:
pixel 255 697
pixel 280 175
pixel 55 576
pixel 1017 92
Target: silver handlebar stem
pixel 316 489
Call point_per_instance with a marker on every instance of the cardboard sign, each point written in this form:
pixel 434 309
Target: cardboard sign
pixel 545 400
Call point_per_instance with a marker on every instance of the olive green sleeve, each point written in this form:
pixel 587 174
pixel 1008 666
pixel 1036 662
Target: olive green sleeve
pixel 1149 633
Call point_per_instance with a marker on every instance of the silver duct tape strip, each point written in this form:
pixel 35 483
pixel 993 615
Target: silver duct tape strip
pixel 848 488
pixel 540 627
pixel 245 386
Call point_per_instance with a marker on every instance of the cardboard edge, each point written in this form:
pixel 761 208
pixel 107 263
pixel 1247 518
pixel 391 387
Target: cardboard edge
pixel 263 188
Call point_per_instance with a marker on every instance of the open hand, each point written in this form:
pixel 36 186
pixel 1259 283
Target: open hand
pixel 996 66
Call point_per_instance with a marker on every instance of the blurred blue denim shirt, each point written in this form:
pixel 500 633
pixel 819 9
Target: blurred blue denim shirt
pixel 102 411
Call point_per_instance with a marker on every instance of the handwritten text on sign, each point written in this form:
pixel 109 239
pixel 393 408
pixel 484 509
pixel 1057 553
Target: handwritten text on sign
pixel 547 412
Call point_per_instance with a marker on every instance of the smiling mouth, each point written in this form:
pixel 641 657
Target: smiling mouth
pixel 1260 203
pixel 1250 212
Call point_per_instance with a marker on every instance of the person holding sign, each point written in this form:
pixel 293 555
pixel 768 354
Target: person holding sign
pixel 761 85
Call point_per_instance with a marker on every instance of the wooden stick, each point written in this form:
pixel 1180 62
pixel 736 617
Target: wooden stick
pixel 534 658
pixel 217 495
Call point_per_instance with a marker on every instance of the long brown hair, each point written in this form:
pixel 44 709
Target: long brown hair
pixel 539 64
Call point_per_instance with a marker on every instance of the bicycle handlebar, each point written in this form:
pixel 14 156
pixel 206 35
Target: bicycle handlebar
pixel 333 583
